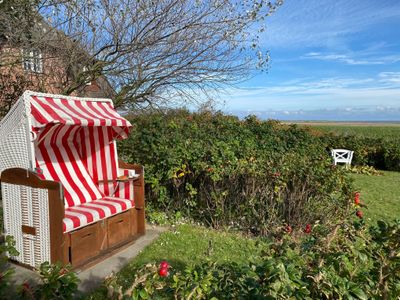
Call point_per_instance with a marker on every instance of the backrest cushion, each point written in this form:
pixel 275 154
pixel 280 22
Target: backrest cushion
pixel 57 155
pixel 99 156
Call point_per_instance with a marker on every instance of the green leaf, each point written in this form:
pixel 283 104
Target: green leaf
pixel 143 294
pixel 359 293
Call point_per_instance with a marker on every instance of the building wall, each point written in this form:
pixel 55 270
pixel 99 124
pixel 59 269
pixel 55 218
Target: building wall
pixel 53 79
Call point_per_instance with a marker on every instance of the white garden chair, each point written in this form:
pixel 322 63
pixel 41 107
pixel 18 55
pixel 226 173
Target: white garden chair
pixel 342 156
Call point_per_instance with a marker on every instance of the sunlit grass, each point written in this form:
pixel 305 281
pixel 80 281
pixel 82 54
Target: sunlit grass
pixel 381 194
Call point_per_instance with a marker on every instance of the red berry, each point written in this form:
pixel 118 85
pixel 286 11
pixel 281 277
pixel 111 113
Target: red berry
pixel 308 228
pixel 163 272
pixel 288 229
pixel 164 265
pixel 359 214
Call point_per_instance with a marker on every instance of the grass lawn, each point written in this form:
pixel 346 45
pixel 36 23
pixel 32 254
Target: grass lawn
pixel 381 194
pixel 188 244
pixel 387 131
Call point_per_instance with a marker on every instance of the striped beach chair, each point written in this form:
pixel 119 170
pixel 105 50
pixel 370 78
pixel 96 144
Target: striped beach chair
pixel 66 196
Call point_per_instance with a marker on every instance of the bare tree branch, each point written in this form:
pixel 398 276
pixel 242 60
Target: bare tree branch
pixel 150 51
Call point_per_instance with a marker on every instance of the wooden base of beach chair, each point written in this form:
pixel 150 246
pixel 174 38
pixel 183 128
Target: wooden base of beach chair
pixel 45 240
pixel 97 240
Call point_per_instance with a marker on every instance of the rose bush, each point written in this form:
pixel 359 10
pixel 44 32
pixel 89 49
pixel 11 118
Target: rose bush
pixel 350 262
pixel 224 172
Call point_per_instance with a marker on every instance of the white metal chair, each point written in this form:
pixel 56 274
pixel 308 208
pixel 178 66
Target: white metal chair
pixel 342 156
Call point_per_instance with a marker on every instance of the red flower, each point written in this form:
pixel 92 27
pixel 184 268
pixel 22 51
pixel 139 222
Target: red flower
pixel 210 170
pixel 357 198
pixel 163 272
pixel 288 229
pixel 164 265
pixel 308 228
pixel 359 214
pixel 26 286
pixel 276 174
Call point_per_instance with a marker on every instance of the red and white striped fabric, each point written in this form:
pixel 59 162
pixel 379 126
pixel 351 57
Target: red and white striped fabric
pixel 124 189
pixel 75 145
pixel 99 156
pixel 87 213
pixel 58 158
pixel 57 110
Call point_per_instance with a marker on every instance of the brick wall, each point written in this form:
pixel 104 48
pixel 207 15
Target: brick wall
pixel 53 78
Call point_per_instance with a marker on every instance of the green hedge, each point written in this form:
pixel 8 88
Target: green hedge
pixel 247 174
pixel 381 153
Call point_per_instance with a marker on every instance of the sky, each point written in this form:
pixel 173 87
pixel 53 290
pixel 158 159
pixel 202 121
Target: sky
pixel 330 60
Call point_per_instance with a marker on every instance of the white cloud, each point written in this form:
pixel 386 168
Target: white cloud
pixel 347 59
pixel 360 113
pixel 390 77
pixel 323 22
pixel 384 88
pixel 357 58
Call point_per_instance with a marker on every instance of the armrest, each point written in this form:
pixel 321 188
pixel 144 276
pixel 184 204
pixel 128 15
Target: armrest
pixel 139 169
pixel 19 176
pixel 139 183
pixel 127 179
pixel 28 178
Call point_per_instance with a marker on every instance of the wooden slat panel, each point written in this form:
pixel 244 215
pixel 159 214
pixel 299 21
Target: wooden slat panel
pixel 84 244
pixel 119 229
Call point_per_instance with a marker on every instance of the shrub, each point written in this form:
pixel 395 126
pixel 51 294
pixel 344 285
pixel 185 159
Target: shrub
pixel 247 174
pixel 57 282
pixel 6 246
pixel 381 153
pixel 366 170
pixel 348 263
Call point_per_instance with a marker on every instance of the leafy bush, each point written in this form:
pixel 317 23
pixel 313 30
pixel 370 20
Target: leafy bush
pixel 366 170
pixel 348 263
pixel 56 281
pixel 380 153
pixel 6 246
pixel 247 174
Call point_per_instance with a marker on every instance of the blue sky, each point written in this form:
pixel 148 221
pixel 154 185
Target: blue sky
pixel 330 60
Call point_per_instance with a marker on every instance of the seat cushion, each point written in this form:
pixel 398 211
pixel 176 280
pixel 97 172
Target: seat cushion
pixel 87 213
